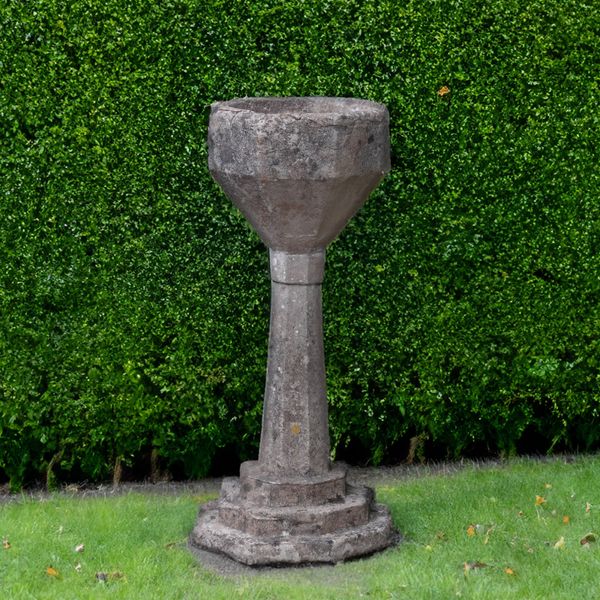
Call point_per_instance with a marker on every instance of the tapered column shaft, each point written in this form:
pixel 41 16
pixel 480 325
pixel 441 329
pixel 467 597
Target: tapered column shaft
pixel 295 432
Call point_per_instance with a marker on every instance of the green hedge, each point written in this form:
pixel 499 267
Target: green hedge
pixel 461 304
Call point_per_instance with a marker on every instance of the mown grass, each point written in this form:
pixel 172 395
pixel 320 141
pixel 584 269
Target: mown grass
pixel 524 521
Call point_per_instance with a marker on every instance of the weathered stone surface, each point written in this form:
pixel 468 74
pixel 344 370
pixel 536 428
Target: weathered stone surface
pixel 295 431
pixel 298 169
pixel 263 488
pixel 211 534
pixel 351 510
pixel 297 268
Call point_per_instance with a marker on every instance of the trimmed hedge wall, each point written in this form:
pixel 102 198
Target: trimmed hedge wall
pixel 461 304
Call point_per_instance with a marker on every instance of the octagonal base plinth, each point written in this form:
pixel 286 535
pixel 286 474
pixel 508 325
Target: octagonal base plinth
pixel 255 535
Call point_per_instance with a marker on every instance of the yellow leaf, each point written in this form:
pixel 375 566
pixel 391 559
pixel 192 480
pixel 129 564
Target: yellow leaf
pixel 443 91
pixel 52 572
pixel 471 530
pixel 588 507
pixel 539 500
pixel 560 544
pixel 548 486
pixel 566 519
pixel 509 571
pixel 5 544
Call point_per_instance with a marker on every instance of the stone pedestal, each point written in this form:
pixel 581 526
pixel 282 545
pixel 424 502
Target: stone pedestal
pixel 298 168
pixel 329 532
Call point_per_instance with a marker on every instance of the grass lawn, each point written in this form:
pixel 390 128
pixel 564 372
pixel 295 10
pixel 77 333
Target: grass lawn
pixel 530 523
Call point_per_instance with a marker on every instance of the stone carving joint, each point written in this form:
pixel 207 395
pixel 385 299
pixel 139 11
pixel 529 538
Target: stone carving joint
pixel 297 269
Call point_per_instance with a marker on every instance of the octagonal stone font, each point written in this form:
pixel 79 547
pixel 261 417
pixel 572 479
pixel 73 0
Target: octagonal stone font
pixel 298 169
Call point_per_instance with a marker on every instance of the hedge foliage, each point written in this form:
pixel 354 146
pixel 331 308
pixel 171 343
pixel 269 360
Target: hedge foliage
pixel 462 304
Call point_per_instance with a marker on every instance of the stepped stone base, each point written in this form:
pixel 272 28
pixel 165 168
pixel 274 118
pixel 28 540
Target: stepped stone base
pixel 344 525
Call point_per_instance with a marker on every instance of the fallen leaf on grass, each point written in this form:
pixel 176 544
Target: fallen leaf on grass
pixel 488 533
pixel 509 571
pixel 560 544
pixel 443 91
pixel 103 577
pixel 588 508
pixel 566 519
pixel 548 486
pixel 587 539
pixel 479 529
pixel 80 548
pixel 473 565
pixel 6 544
pixel 539 500
pixel 78 567
pixel 52 572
